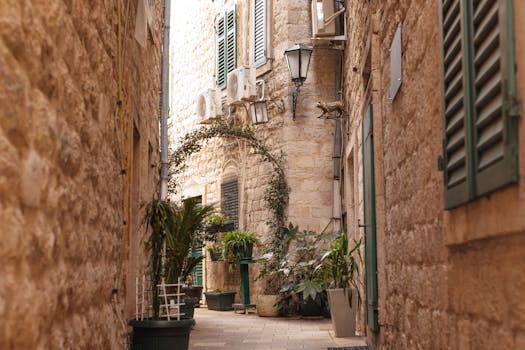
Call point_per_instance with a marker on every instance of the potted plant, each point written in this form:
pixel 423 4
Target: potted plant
pixel 342 264
pixel 172 229
pixel 300 271
pixel 215 250
pixel 267 303
pixel 238 245
pixel 190 218
pixel 271 261
pixel 219 300
pixel 217 223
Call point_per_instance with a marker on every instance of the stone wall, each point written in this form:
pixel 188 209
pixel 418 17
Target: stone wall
pixel 447 279
pixel 68 219
pixel 307 142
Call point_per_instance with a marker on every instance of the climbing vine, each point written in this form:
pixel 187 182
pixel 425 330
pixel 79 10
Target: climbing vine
pixel 276 194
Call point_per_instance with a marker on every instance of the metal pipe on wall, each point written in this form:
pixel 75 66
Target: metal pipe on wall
pixel 164 107
pixel 337 204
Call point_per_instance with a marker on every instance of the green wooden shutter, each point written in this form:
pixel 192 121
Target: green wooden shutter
pixel 259 32
pixel 372 315
pixel 197 270
pixel 231 40
pixel 456 140
pixel 479 89
pixel 226 45
pixel 220 31
pixel 495 125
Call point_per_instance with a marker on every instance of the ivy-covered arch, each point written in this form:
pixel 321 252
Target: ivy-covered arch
pixel 276 194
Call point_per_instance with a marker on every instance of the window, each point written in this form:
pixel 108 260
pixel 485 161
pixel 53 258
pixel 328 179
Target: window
pixel 480 139
pixel 259 43
pixel 230 201
pixel 225 31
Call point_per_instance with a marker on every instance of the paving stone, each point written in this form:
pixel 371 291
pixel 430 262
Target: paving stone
pixel 227 330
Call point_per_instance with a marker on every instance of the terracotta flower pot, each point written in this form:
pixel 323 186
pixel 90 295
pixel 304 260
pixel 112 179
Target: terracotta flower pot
pixel 267 305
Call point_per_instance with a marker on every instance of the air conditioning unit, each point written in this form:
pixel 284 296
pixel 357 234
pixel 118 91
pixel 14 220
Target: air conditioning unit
pixel 209 106
pixel 241 85
pixel 325 23
pixel 321 11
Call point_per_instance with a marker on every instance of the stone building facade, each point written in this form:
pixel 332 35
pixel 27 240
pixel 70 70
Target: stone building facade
pixel 307 141
pixel 446 278
pixel 80 85
pixel 444 241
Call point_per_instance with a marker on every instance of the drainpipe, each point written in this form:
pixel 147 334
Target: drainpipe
pixel 164 102
pixel 338 152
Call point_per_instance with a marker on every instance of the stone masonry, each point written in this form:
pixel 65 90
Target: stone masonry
pixel 306 142
pixel 447 279
pixel 75 162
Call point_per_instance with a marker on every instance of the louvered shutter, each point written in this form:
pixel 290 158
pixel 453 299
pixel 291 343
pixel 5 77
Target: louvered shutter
pixel 369 201
pixel 230 201
pixel 456 145
pixel 221 51
pixel 494 126
pixel 231 40
pixel 197 270
pixel 259 32
pixel 226 45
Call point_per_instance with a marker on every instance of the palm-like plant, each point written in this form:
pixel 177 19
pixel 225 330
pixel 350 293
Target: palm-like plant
pixel 177 228
pixel 187 224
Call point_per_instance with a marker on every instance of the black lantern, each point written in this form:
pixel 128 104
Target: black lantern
pixel 259 112
pixel 298 60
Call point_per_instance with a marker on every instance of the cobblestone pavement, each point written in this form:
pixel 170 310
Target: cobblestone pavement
pixel 227 330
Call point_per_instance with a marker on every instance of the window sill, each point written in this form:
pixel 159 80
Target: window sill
pixel 264 69
pixel 498 214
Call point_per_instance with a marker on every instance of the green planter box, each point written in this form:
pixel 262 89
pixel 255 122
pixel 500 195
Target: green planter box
pixel 220 301
pixel 311 308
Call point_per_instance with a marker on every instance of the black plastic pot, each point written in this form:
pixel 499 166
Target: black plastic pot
pixel 220 301
pixel 215 256
pixel 311 308
pixel 193 292
pixel 188 309
pixel 161 334
pixel 244 254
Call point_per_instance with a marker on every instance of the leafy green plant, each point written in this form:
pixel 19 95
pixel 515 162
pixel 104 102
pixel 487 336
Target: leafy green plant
pixel 188 222
pixel 295 267
pixel 217 219
pixel 274 257
pixel 159 219
pixel 237 243
pixel 174 227
pixel 342 264
pixel 216 250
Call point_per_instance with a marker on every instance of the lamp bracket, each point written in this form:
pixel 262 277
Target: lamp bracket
pixel 295 97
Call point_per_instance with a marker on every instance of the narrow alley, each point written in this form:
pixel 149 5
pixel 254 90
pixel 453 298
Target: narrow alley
pixel 350 171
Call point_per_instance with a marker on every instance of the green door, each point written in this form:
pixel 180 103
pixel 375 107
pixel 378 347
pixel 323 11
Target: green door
pixel 196 252
pixel 197 270
pixel 370 222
